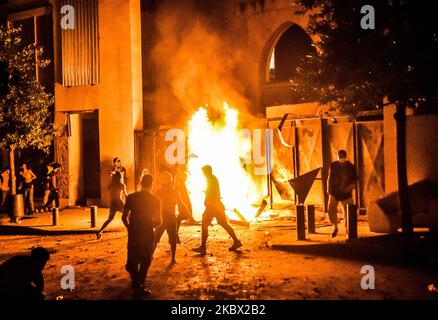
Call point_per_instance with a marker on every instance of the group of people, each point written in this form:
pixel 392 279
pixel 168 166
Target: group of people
pixel 152 210
pixel 147 213
pixel 25 184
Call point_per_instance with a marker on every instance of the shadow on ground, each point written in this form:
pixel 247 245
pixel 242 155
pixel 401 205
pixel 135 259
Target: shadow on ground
pixel 22 230
pixel 419 252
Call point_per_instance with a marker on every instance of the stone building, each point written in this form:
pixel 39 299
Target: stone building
pixel 111 74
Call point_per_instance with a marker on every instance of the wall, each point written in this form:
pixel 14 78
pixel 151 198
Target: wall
pixel 248 31
pixel 258 28
pixel 118 96
pixel 251 26
pixel 422 147
pixel 299 110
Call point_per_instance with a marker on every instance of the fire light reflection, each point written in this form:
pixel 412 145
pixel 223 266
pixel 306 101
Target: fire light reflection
pixel 222 145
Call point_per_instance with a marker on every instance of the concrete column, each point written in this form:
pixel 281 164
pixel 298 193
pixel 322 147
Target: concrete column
pixel 93 216
pixel 55 216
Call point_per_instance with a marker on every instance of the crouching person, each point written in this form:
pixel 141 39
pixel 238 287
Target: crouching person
pixel 21 276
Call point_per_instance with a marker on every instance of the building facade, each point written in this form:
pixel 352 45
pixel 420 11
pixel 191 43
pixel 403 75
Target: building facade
pixel 126 65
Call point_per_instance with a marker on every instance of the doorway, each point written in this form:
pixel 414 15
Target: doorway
pixel 91 155
pixel 84 158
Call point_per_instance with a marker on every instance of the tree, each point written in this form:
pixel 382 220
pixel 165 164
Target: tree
pixel 357 69
pixel 25 117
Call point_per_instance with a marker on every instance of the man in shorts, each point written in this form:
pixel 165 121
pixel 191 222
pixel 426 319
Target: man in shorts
pixel 341 182
pixel 170 198
pixel 117 193
pixel 214 208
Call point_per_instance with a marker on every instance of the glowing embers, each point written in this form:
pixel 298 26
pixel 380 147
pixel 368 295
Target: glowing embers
pixel 221 144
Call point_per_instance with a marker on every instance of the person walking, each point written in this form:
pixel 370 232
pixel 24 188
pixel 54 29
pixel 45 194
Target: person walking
pixel 117 193
pixel 51 192
pixel 141 215
pixel 28 188
pixel 214 208
pixel 4 187
pixel 185 213
pixel 170 199
pixel 341 183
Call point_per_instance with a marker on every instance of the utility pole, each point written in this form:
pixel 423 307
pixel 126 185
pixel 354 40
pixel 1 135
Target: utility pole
pixel 403 191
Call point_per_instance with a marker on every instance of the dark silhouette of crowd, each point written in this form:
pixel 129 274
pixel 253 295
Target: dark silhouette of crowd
pixel 147 214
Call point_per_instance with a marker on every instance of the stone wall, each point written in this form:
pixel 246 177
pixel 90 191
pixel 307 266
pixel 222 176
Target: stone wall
pixel 421 148
pixel 117 97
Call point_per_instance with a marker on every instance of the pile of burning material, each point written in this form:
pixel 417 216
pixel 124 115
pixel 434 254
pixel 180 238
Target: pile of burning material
pixel 223 144
pixel 218 138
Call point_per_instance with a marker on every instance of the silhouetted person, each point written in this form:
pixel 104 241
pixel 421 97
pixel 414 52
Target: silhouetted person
pixel 143 173
pixel 117 192
pixel 214 208
pixel 21 276
pixel 27 180
pixel 170 198
pixel 185 213
pixel 185 208
pixel 4 187
pixel 117 167
pixel 51 187
pixel 141 216
pixel 47 179
pixel 341 182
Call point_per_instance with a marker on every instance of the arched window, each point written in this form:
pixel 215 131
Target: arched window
pixel 287 53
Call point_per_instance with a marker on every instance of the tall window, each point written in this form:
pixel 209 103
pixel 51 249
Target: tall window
pixel 80 46
pixel 293 46
pixel 36 25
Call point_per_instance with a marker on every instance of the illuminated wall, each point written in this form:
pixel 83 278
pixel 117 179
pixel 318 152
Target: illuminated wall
pixel 117 97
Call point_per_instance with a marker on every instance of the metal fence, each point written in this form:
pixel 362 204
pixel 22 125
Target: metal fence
pixel 315 143
pixel 312 143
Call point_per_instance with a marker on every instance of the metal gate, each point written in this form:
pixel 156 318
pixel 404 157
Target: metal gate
pixel 370 161
pixel 312 143
pixel 316 142
pixel 146 153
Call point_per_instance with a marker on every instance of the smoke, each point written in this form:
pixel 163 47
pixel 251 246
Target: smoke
pixel 196 65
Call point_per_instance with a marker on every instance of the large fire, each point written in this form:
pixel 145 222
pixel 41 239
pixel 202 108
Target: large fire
pixel 222 145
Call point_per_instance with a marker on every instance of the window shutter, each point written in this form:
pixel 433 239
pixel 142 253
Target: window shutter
pixel 80 46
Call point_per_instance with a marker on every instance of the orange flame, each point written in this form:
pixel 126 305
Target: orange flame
pixel 223 146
